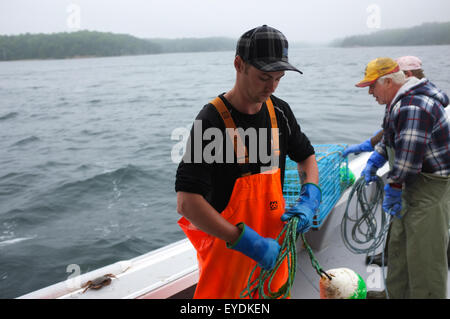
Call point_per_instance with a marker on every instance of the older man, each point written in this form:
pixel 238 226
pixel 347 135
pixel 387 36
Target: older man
pixel 411 66
pixel 416 141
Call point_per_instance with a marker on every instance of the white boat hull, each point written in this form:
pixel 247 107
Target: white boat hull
pixel 171 271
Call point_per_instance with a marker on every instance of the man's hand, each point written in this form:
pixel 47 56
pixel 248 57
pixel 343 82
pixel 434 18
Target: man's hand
pixel 392 202
pixel 263 250
pixel 374 162
pixel 306 207
pixel 365 146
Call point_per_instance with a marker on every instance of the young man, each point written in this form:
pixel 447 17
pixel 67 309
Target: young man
pixel 229 183
pixel 416 141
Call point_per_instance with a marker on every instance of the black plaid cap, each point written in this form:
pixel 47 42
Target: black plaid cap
pixel 266 49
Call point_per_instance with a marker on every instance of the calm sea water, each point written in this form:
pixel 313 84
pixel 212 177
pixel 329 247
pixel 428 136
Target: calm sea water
pixel 86 174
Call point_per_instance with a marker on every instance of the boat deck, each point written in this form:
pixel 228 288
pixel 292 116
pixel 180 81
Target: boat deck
pixel 171 271
pixel 336 255
pixel 331 252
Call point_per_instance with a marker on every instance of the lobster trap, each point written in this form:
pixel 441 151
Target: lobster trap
pixel 334 178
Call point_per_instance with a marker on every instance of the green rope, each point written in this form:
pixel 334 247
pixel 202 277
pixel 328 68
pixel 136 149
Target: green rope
pixel 314 262
pixel 288 251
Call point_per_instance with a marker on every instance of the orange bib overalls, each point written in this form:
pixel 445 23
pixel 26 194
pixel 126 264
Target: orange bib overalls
pixel 257 200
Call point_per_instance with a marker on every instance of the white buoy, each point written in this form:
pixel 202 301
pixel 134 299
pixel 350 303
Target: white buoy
pixel 345 284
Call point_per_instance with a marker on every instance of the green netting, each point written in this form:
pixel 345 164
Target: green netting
pixel 334 178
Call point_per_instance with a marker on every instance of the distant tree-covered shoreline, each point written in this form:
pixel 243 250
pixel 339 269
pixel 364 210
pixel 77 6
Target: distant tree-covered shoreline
pixel 98 44
pixel 425 34
pixel 74 44
pixel 103 44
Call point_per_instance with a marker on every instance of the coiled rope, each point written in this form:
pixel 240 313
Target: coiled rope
pixel 288 251
pixel 367 231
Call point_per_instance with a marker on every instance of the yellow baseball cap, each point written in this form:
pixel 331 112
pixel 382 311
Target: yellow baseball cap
pixel 378 68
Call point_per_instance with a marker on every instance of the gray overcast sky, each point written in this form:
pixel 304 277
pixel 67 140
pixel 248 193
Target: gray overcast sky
pixel 313 21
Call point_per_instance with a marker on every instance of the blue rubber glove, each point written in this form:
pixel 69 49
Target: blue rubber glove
pixel 365 146
pixel 392 202
pixel 375 161
pixel 263 250
pixel 306 207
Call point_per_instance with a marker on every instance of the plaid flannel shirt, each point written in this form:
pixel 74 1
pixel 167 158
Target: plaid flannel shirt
pixel 416 126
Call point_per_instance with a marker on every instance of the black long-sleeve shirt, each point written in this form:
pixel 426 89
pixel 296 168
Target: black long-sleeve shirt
pixel 215 181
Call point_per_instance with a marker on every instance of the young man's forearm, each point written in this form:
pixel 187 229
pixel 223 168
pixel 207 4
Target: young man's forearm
pixel 200 213
pixel 309 170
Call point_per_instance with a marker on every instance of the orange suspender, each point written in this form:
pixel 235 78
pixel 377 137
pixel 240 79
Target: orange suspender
pixel 239 147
